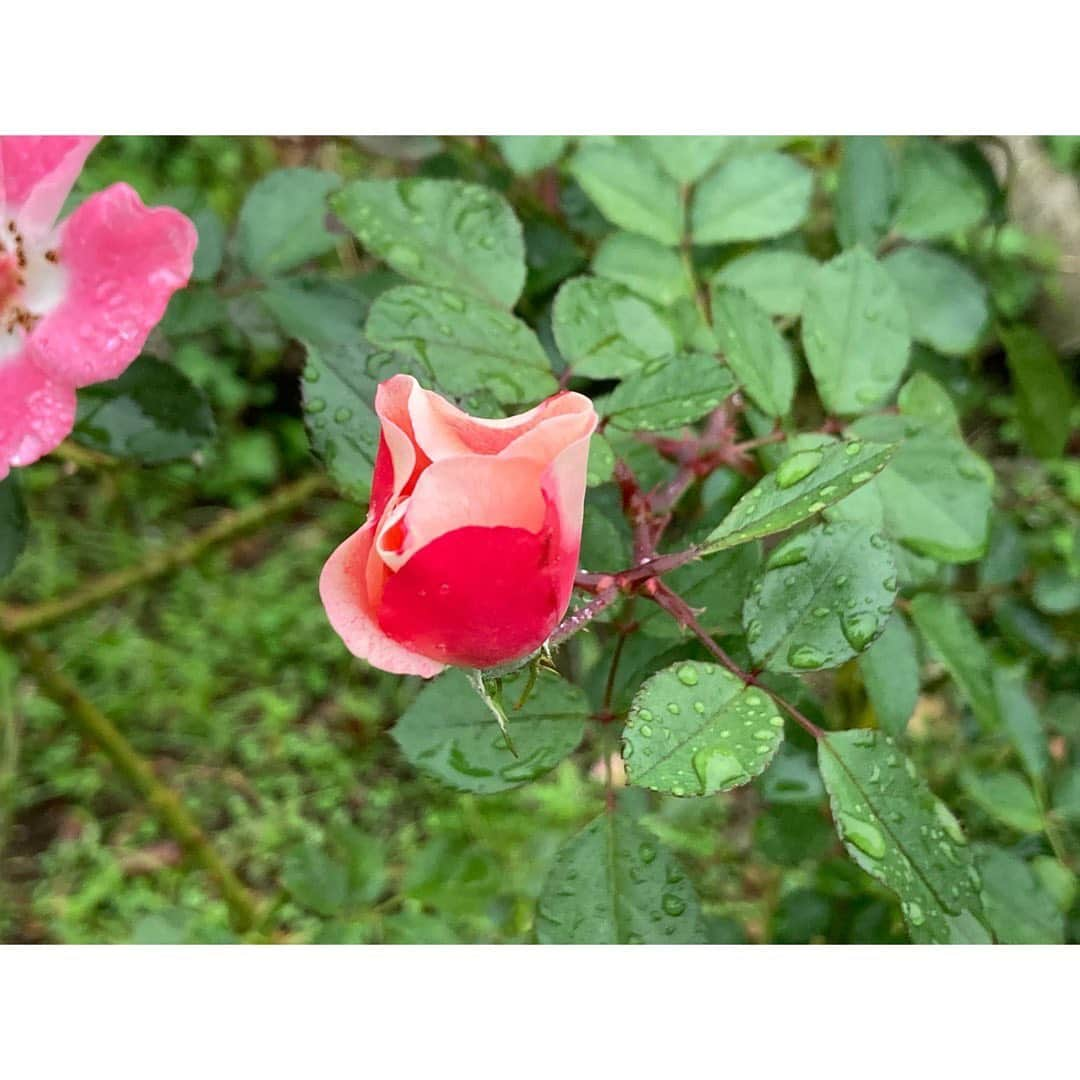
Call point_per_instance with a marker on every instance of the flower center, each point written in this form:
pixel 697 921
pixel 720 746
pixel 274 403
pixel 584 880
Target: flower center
pixel 31 285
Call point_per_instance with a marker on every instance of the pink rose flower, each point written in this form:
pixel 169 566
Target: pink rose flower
pixel 471 542
pixel 78 298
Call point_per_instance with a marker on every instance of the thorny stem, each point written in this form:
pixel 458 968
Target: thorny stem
pixel 162 799
pixel 681 611
pixel 15 621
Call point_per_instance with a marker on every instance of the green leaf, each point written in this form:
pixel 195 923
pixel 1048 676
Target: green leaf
pixel 604 331
pixel 923 397
pixel 13 523
pixel 792 779
pixel 756 351
pixel 465 344
pixel 751 198
pixel 552 255
pixel 315 881
pixel 696 729
pixel 1060 883
pixel 855 332
pixel 631 189
pixel 283 220
pixel 1043 394
pixel 803 485
pixel 317 310
pixel 601 465
pixel 901 834
pixel 439 232
pixel 890 671
pixel 614 884
pixel 953 638
pixel 687 158
pixel 824 596
pixel 669 393
pixel 865 191
pixel 528 154
pixel 775 280
pixel 939 193
pixel 1020 719
pixel 947 304
pixel 1020 911
pixel 151 414
pixel 936 496
pixel 339 408
pixel 1006 796
pixel 211 248
pixel 648 268
pixel 1056 591
pixel 448 732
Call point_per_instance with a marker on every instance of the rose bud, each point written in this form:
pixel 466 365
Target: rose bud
pixel 471 542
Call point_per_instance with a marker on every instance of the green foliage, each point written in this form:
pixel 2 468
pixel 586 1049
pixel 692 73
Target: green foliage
pixel 448 732
pixel 758 354
pixel 900 834
pixel 605 331
pixel 775 279
pixel 669 393
pixel 939 193
pixel 613 884
pixel 803 485
pixel 631 189
pixel 890 672
pixel 947 304
pixel 13 523
pixel 865 191
pixel 823 596
pixel 151 413
pixel 751 198
pixel 855 331
pixel 1043 396
pixel 439 232
pixel 465 344
pixel 283 220
pixel 696 729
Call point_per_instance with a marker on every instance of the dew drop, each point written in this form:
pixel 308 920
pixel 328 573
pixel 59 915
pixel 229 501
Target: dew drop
pixel 866 837
pixel 797 467
pixel 716 769
pixel 786 555
pixel 805 657
pixel 673 905
pixel 688 675
pixel 859 629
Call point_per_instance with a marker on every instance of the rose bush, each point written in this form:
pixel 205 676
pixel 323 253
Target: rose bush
pixel 471 542
pixel 78 299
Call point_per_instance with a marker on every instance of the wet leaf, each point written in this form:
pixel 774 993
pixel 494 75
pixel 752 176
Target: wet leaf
pixel 901 834
pixel 696 729
pixel 448 732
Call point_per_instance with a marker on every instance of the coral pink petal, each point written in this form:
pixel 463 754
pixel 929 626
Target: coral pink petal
pixel 564 483
pixel 442 430
pixel 343 589
pixel 398 462
pixel 37 173
pixel 36 412
pixel 456 492
pixel 475 597
pixel 123 263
